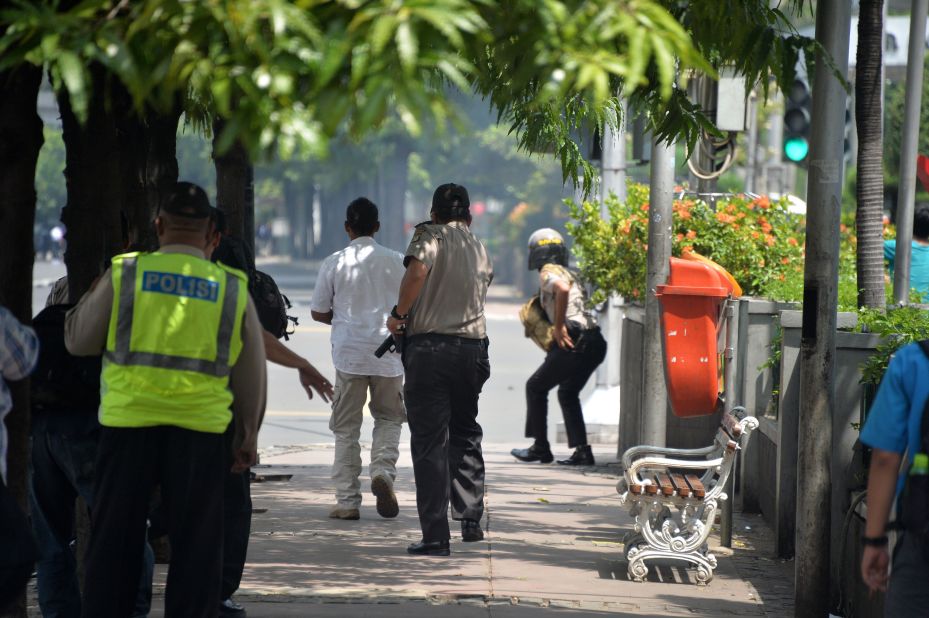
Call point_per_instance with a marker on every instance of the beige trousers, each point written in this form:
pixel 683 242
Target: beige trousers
pixel 389 414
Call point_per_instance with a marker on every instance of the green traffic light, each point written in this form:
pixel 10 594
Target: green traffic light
pixel 796 149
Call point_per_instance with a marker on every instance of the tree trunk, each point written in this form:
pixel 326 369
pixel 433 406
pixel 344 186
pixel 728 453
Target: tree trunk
pixel 92 177
pixel 20 141
pixel 870 187
pixel 148 154
pixel 392 188
pixel 235 188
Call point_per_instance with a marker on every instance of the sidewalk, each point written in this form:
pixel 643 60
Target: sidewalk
pixel 553 548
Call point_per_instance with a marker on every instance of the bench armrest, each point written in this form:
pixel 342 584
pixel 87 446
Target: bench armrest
pixel 637 452
pixel 632 472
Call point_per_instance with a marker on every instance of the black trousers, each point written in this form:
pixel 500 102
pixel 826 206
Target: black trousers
pixel 237 515
pixel 444 377
pixel 18 553
pixel 190 467
pixel 569 370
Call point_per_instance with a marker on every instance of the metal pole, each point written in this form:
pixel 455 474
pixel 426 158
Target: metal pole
pixel 730 391
pixel 707 90
pixel 820 300
pixel 655 397
pixel 613 180
pixel 907 193
pixel 775 138
pixel 751 144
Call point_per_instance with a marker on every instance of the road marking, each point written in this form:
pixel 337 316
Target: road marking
pixel 295 413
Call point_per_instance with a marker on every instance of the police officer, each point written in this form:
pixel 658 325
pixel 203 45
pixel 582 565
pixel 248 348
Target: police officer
pixel 181 342
pixel 441 308
pixel 576 351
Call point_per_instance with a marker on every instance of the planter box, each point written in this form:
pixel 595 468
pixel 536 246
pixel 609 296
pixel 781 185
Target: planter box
pixel 758 325
pixel 852 349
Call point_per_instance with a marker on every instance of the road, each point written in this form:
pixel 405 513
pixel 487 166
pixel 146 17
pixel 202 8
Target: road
pixel 292 419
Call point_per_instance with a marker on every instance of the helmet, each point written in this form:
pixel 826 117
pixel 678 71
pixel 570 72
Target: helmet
pixel 546 246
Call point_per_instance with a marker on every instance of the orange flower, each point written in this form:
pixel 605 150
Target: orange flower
pixel 843 228
pixel 730 208
pixel 766 227
pixel 691 234
pixel 769 240
pixel 782 277
pixel 762 202
pixel 792 242
pixel 785 260
pixel 761 263
pixel 685 215
pixel 679 237
pixel 756 235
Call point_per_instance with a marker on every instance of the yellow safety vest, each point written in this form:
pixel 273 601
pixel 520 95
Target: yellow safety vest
pixel 175 332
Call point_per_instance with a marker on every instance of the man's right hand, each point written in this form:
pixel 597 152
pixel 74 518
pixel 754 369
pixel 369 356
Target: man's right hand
pixel 395 326
pixel 245 456
pixel 874 567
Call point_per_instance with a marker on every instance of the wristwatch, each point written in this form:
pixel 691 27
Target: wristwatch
pixel 397 316
pixel 875 541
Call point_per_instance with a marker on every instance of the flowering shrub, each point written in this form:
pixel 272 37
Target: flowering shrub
pixel 758 241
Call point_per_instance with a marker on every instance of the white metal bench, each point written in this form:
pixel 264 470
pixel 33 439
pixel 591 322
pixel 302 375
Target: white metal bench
pixel 674 495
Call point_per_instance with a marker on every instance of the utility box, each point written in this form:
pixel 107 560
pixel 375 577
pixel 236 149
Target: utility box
pixel 730 101
pixel 692 322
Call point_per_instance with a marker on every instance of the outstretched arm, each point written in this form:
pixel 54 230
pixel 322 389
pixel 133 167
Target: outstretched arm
pixel 310 378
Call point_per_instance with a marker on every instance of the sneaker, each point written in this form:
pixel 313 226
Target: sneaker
pixel 386 498
pixel 341 512
pixel 230 608
pixel 582 456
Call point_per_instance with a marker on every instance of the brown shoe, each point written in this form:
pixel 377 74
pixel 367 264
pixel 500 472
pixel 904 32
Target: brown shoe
pixel 344 513
pixel 386 498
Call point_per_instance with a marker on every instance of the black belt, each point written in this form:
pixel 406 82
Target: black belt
pixel 452 339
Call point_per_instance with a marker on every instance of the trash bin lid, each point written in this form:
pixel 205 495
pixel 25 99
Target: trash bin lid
pixel 695 278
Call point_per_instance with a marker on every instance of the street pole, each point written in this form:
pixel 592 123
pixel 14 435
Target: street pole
pixel 612 180
pixel 601 408
pixel 907 194
pixel 655 396
pixel 820 300
pixel 751 145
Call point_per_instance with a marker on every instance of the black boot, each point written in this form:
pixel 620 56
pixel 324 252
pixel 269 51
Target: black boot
pixel 536 452
pixel 471 531
pixel 582 456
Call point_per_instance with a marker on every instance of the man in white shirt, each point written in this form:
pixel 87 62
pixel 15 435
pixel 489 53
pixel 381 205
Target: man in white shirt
pixel 354 292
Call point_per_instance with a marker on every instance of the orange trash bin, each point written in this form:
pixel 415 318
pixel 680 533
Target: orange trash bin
pixel 691 320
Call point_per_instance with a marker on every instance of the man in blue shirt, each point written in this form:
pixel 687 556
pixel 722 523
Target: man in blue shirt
pixel 919 254
pixel 893 431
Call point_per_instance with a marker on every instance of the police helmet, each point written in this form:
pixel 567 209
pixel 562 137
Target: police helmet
pixel 546 246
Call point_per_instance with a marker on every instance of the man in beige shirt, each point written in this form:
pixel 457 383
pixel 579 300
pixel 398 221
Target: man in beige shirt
pixel 441 311
pixel 165 405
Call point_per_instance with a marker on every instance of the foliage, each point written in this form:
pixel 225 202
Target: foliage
pixel 758 241
pixel 901 325
pixel 289 74
pixel 893 124
pixel 51 195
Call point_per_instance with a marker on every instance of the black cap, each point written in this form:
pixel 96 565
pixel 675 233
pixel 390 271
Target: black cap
pixel 187 200
pixel 451 199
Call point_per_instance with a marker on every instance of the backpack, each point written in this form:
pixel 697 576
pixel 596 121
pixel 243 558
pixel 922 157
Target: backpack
pixel 62 382
pixel 535 323
pixel 272 306
pixel 915 501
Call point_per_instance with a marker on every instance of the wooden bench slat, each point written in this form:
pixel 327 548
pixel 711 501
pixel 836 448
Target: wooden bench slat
pixel 664 481
pixel 636 489
pixel 696 486
pixel 680 485
pixel 651 489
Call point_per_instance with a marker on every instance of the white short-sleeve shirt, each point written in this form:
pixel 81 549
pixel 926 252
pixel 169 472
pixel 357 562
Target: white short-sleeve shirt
pixel 359 284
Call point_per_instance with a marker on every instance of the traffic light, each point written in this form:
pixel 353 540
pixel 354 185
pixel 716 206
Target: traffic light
pixel 797 122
